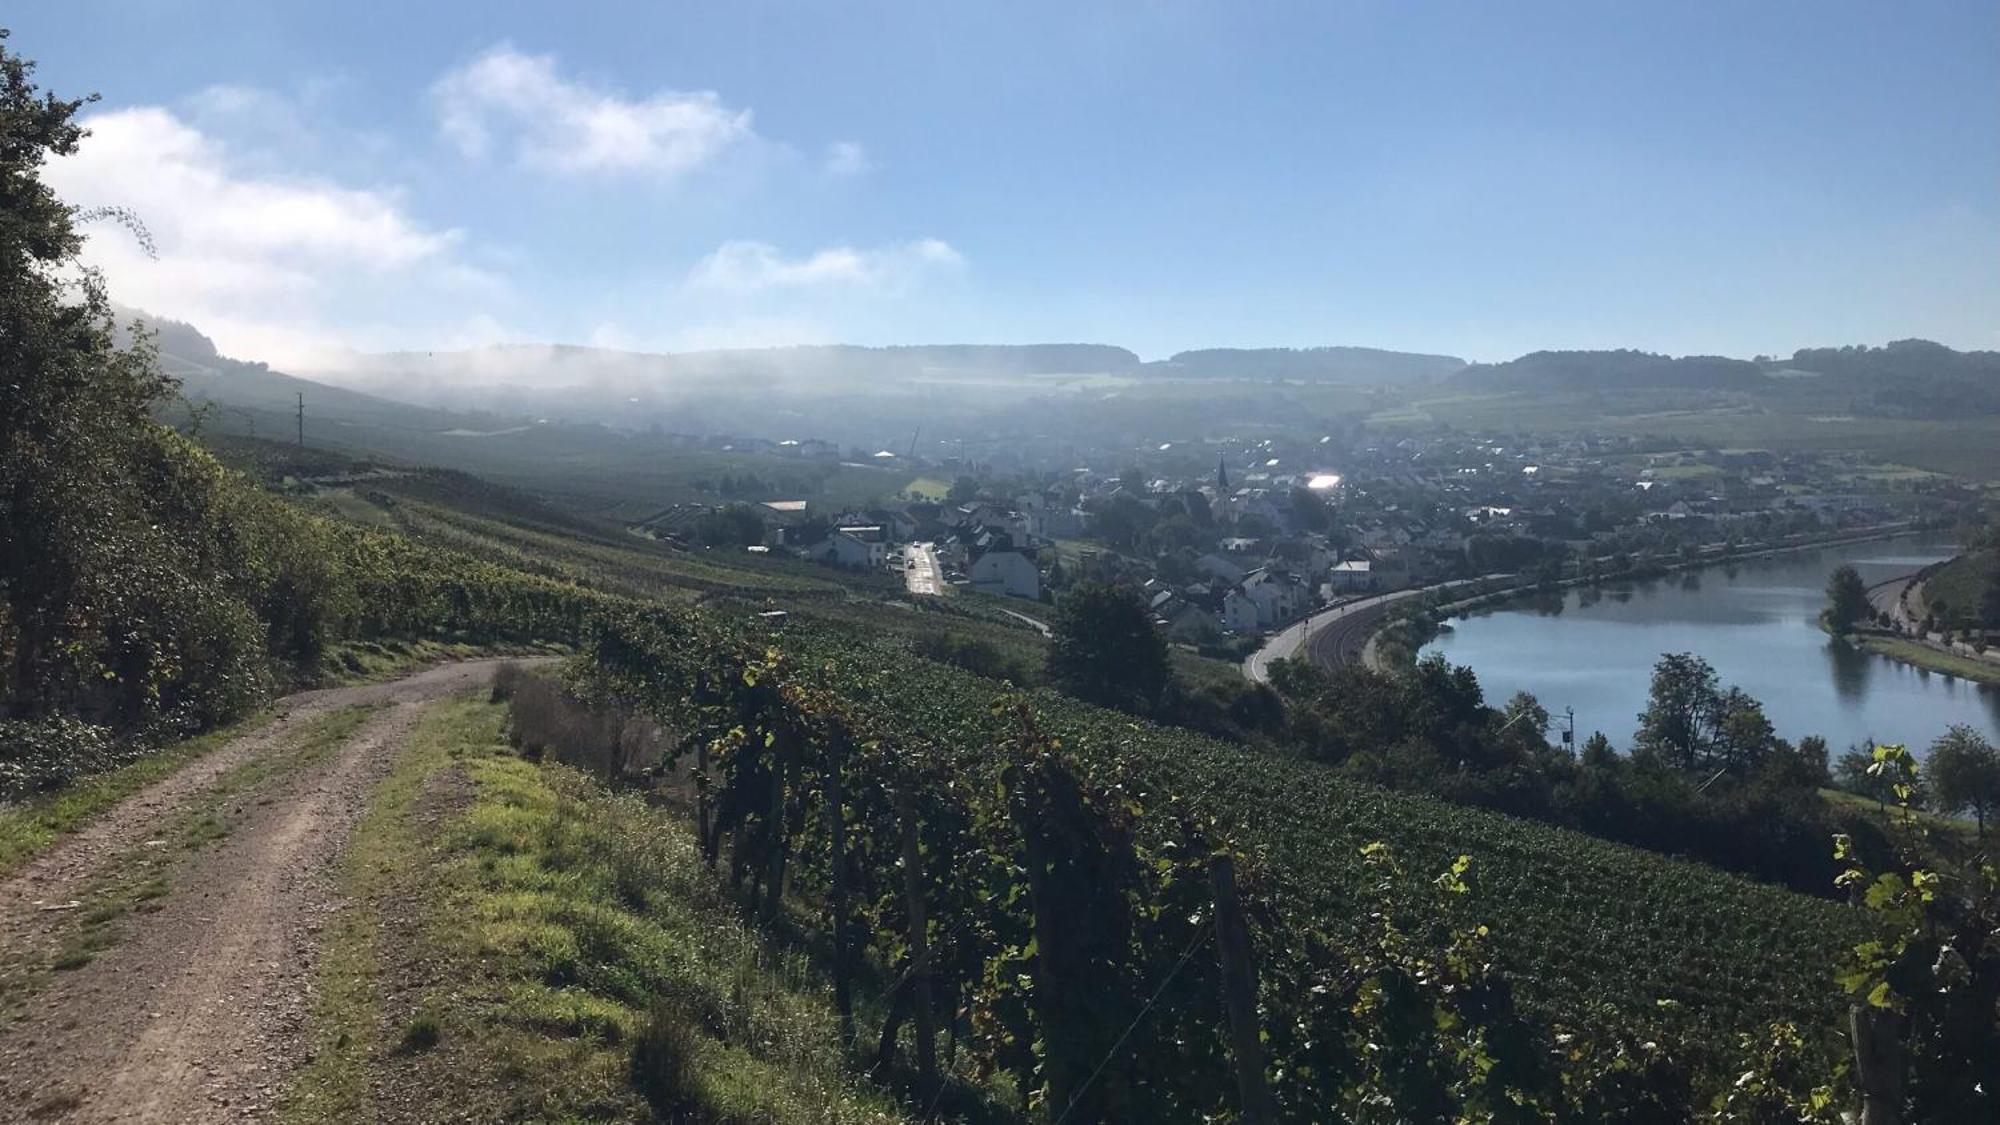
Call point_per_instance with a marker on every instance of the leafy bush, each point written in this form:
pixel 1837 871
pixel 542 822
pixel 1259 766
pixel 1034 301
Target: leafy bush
pixel 43 754
pixel 981 658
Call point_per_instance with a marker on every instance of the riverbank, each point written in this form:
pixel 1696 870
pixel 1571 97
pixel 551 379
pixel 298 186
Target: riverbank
pixel 1757 625
pixel 1371 653
pixel 1921 654
pixel 1905 643
pixel 1352 630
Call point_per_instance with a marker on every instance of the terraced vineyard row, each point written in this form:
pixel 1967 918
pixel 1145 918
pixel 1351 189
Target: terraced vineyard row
pixel 1563 972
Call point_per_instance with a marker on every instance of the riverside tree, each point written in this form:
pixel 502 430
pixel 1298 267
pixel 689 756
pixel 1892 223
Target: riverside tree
pixel 1846 599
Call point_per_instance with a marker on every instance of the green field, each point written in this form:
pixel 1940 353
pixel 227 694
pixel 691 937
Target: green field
pixel 930 488
pixel 1968 447
pixel 1921 656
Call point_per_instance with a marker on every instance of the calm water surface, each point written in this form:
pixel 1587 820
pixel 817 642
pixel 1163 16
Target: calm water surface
pixel 1755 621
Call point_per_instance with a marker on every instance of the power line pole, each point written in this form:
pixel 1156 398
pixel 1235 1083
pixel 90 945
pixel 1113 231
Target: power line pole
pixel 302 418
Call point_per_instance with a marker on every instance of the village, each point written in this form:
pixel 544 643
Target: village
pixel 1232 540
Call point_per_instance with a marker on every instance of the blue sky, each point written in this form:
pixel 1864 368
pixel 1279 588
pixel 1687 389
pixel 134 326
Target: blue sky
pixel 1480 179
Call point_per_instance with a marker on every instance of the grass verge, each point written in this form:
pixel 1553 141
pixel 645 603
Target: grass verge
pixel 1930 659
pixel 29 828
pixel 574 961
pixel 386 857
pixel 362 662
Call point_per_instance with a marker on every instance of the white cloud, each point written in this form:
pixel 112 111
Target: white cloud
pixel 266 264
pixel 748 267
pixel 846 158
pixel 559 125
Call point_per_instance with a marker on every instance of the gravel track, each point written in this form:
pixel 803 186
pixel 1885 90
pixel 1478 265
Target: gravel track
pixel 200 1012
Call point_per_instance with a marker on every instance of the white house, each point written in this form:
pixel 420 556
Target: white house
pixel 1353 576
pixel 1008 571
pixel 855 548
pixel 1278 595
pixel 1239 612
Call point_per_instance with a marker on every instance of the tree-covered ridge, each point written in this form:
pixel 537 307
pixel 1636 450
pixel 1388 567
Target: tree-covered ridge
pixel 1610 370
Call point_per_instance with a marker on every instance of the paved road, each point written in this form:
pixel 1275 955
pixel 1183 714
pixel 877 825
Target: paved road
pixel 920 571
pixel 1336 635
pixel 1887 597
pixel 1041 627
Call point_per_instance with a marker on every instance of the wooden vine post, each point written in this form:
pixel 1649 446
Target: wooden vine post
pixel 1878 1063
pixel 919 937
pixel 704 809
pixel 1239 994
pixel 708 829
pixel 836 833
pixel 774 868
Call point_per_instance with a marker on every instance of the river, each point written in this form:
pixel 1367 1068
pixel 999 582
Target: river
pixel 1593 649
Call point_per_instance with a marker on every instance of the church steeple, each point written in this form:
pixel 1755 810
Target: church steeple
pixel 1221 476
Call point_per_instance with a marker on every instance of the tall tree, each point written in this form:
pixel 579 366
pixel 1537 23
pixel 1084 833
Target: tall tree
pixel 73 420
pixel 1846 599
pixel 1683 711
pixel 124 594
pixel 1743 734
pixel 1104 649
pixel 1965 774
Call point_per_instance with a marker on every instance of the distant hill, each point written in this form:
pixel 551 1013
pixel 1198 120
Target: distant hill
pixel 1609 370
pixel 546 365
pixel 559 365
pixel 1333 365
pixel 253 398
pixel 1905 379
pixel 1898 359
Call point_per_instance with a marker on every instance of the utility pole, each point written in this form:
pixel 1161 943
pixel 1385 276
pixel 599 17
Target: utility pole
pixel 302 418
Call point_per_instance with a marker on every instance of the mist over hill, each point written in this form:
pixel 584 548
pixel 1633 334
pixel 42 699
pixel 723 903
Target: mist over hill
pixel 1332 364
pixel 561 365
pixel 1017 397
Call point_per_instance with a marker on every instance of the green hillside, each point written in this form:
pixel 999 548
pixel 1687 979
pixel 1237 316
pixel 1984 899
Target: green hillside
pixel 1956 590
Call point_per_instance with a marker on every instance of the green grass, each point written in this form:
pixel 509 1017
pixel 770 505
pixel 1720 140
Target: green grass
pixel 1923 656
pixel 386 855
pixel 1934 822
pixel 32 827
pixel 362 662
pixel 1197 671
pixel 574 945
pixel 930 488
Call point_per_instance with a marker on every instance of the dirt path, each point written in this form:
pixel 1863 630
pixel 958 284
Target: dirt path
pixel 198 1014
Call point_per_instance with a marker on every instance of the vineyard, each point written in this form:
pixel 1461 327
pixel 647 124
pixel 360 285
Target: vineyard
pixel 1001 855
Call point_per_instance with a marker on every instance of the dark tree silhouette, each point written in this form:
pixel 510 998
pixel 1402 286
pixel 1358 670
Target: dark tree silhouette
pixel 1105 649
